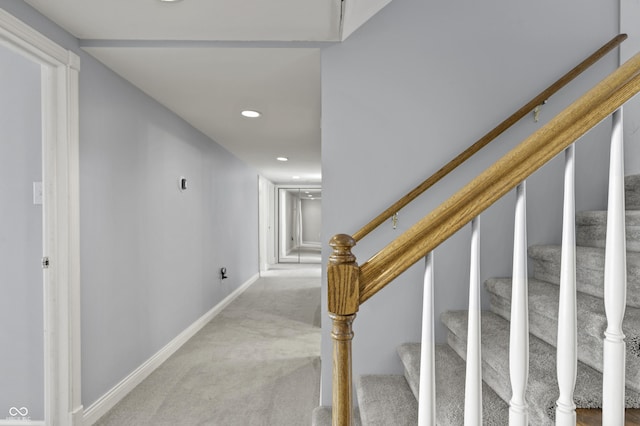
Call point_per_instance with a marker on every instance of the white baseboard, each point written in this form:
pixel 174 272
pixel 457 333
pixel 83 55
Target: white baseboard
pixel 107 401
pixel 18 422
pixel 76 416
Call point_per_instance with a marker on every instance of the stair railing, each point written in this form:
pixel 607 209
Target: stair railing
pixel 350 285
pixel 530 106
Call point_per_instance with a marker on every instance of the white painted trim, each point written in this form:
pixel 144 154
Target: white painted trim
pixel 8 422
pixel 473 376
pixel 567 336
pixel 75 409
pixel 615 284
pixel 61 243
pixel 60 124
pixel 99 408
pixel 427 386
pixel 264 229
pixel 519 328
pixel 18 35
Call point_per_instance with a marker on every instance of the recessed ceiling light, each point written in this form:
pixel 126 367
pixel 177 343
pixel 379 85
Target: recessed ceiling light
pixel 282 159
pixel 250 113
pixel 295 177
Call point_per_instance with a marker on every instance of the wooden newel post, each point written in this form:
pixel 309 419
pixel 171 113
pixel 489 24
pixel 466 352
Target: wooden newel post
pixel 344 299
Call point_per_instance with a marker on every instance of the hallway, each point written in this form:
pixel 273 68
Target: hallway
pixel 256 363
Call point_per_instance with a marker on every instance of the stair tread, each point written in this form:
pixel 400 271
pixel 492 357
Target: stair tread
pixel 542 387
pixel 386 400
pixel 450 384
pixel 591 229
pixel 543 317
pixel 589 269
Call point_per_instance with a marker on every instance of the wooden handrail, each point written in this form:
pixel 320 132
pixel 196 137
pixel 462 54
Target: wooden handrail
pixel 486 139
pixel 531 154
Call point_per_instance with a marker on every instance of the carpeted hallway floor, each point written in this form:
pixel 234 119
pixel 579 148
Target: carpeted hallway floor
pixel 256 363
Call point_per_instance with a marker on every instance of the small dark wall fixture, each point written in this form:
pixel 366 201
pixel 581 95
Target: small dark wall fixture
pixel 182 183
pixel 223 273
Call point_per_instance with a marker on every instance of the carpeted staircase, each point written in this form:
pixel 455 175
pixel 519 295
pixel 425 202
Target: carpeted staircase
pixel 391 400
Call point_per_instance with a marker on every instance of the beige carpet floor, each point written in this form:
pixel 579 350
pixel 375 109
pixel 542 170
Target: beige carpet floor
pixel 256 363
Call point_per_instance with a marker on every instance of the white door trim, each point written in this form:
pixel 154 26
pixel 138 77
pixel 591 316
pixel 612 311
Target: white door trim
pixel 60 68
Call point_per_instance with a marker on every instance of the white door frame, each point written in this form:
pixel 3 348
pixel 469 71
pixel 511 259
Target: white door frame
pixel 60 68
pixel 265 224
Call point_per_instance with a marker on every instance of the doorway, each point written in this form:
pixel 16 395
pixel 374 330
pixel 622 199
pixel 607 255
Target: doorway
pixel 41 226
pixel 299 225
pixel 21 302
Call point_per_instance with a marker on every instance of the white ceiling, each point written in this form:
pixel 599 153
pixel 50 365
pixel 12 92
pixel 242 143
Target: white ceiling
pixel 207 60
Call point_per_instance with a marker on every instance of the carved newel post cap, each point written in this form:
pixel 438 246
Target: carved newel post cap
pixel 343 277
pixel 342 244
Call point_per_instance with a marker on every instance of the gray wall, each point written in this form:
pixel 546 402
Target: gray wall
pixel 629 16
pixel 150 253
pixel 410 90
pixel 21 295
pixel 311 221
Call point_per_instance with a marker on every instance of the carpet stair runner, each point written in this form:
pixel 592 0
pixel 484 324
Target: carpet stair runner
pixel 391 400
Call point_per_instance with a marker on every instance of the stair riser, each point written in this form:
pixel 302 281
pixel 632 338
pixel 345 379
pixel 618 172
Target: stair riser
pixel 542 390
pixel 591 327
pixel 591 230
pixel 589 271
pixel 450 387
pixel 497 381
pixel 409 354
pixel 632 192
pixel 495 366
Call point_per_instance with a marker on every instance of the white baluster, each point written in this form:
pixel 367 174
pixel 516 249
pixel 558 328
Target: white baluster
pixel 615 284
pixel 427 395
pixel 473 382
pixel 567 344
pixel 519 332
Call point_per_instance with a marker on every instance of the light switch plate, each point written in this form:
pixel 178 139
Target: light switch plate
pixel 37 193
